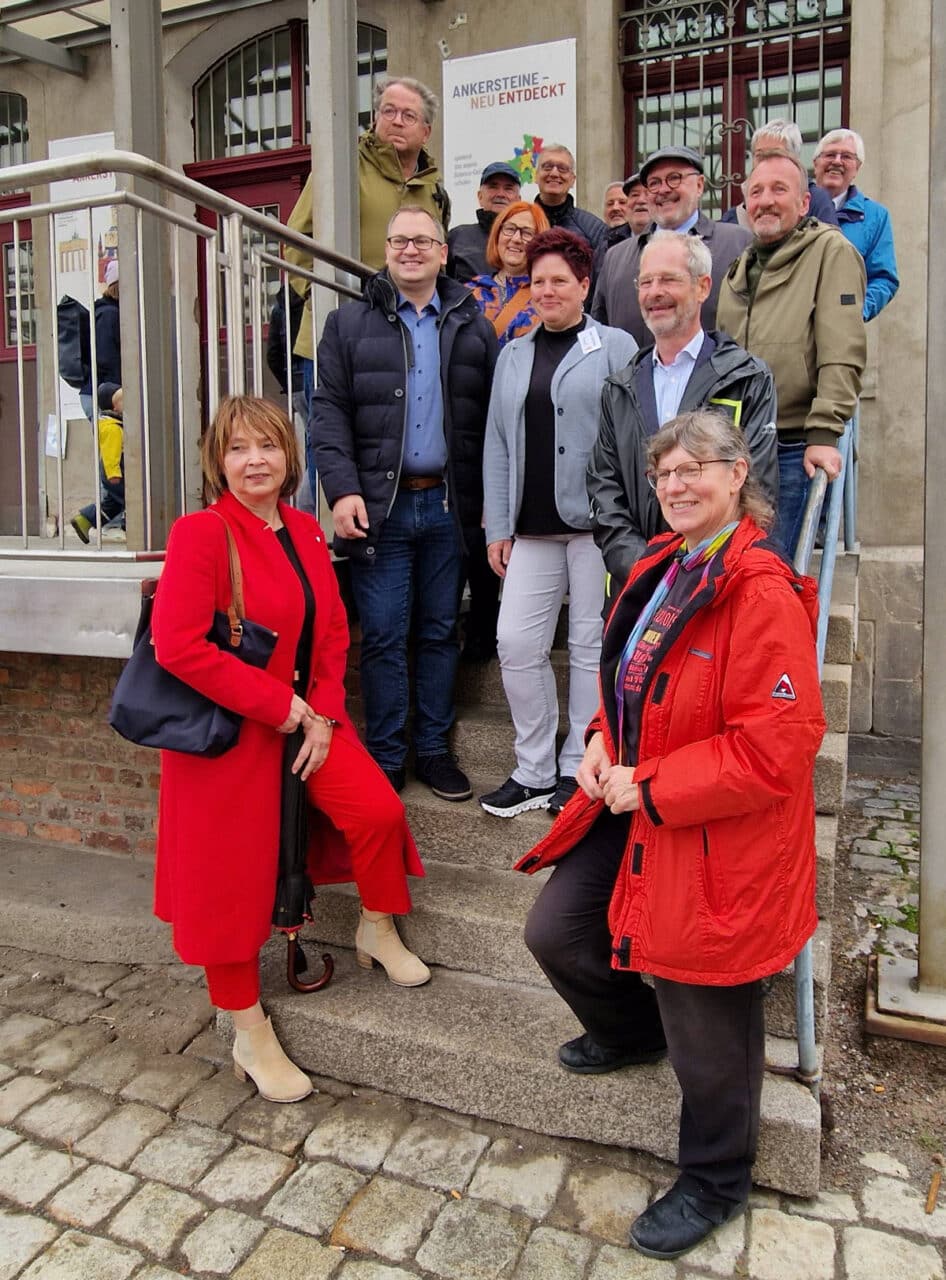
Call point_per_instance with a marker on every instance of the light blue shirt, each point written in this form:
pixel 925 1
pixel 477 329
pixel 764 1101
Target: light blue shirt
pixel 670 380
pixel 690 223
pixel 425 447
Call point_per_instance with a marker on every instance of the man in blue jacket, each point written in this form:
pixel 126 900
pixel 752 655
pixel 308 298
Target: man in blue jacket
pixel 865 222
pixel 397 426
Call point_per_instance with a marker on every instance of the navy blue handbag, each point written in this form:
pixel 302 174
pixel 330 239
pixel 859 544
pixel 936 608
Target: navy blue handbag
pixel 153 708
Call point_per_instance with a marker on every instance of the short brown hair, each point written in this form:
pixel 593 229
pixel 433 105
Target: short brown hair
pixel 262 418
pixel 510 211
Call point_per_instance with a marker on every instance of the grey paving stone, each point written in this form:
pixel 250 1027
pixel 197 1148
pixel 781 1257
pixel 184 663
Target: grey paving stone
pixel 167 1081
pixel 21 1092
pixel 897 834
pixel 120 1137
pixel 20 1031
pixel 65 1116
pixel 874 1255
pixel 437 1153
pixel 62 1052
pixel 74 1006
pixel 600 1202
pixel 8 1139
pixel 93 977
pixel 624 1264
pixel 155 1217
pixel 881 1162
pixel 111 1067
pixel 283 1253
pixel 91 1197
pixel 387 1217
pixel 29 1173
pixel 213 1047
pixel 720 1251
pixel 282 1129
pixel 900 1205
pixel 830 1206
pixel 25 996
pixel 181 1154
pixel 159 1273
pixel 314 1197
pixel 22 1236
pixel 474 1240
pixel 221 1242
pixel 553 1255
pixel 782 1247
pixel 522 1180
pixel 75 1255
pixel 215 1100
pixel 366 1270
pixel 245 1175
pixel 161 1013
pixel 6 1073
pixel 358 1132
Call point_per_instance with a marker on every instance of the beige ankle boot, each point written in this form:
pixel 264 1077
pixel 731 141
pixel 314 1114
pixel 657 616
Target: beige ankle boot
pixel 258 1054
pixel 377 939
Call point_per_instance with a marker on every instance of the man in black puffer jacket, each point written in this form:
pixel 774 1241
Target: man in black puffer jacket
pixel 396 435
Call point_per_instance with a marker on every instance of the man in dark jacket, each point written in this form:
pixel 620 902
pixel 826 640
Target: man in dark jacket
pixel 466 244
pixel 673 178
pixel 686 368
pixel 784 135
pixel 555 176
pixel 396 432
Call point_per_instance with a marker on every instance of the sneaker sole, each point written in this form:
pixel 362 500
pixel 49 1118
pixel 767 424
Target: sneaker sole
pixel 452 795
pixel 537 802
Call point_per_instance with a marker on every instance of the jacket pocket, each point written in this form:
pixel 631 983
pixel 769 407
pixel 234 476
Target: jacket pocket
pixel 714 889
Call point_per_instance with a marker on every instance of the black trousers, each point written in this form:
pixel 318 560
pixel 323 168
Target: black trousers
pixel 715 1036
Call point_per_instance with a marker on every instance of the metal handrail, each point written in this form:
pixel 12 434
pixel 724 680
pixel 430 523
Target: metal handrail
pixel 840 501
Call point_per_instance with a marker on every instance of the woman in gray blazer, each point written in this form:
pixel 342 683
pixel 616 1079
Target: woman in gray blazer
pixel 542 424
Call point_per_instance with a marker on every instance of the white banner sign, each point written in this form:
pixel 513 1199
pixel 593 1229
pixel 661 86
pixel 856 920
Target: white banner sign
pixel 504 106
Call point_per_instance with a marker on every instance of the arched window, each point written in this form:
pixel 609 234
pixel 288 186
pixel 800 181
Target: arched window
pixel 255 99
pixel 14 130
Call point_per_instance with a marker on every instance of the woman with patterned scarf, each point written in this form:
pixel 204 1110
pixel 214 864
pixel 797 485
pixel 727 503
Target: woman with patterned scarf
pixel 688 852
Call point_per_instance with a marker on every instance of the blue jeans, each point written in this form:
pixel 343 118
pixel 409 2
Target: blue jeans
pixel 415 572
pixel 112 500
pixel 793 483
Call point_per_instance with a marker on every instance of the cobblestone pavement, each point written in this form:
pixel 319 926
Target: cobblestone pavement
pixel 129 1149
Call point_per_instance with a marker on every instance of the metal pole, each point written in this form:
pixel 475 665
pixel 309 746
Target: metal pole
pixel 932 941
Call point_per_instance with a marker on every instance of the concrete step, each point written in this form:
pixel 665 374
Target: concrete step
pixel 842 634
pixel 846 567
pixel 831 773
pixel 488 1048
pixel 836 696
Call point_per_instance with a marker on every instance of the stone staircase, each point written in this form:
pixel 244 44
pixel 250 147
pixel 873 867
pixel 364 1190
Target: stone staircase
pixel 482 1037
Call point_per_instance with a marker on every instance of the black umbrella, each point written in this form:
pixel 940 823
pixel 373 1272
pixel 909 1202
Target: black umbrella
pixel 294 891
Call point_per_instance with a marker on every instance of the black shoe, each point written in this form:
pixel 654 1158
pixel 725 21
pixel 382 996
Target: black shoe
pixel 677 1223
pixel 396 777
pixel 477 649
pixel 566 789
pixel 586 1057
pixel 444 776
pixel 513 798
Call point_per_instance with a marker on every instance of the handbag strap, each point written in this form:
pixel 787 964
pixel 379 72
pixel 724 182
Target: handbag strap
pixel 236 610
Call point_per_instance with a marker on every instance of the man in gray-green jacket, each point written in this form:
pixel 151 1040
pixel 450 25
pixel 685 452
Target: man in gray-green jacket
pixel 795 299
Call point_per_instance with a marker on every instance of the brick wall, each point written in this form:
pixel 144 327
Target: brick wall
pixel 65 776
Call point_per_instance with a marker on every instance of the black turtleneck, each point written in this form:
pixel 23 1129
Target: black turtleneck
pixel 538 515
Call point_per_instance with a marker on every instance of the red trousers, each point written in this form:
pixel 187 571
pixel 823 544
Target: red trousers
pixel 233 986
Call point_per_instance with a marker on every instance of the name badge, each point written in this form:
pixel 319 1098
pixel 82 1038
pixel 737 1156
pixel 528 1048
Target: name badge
pixel 589 340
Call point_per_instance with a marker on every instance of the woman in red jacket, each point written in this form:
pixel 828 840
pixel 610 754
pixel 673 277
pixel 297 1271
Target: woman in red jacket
pixel 218 819
pixel 690 844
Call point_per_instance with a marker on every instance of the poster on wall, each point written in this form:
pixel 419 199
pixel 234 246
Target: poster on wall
pixel 85 240
pixel 503 106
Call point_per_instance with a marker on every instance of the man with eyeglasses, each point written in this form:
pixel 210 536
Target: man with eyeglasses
pixel 683 368
pixel 396 433
pixel 555 176
pixel 795 299
pixel 674 182
pixel 394 168
pixel 466 245
pixel 864 222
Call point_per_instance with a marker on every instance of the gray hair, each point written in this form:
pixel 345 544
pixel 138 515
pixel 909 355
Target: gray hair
pixel 416 208
pixel 618 183
pixel 429 100
pixel 786 132
pixel 707 433
pixel 834 136
pixel 761 156
pixel 549 147
pixel 699 261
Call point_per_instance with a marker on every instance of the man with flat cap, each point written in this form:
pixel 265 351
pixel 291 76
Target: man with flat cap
pixel 626 209
pixel 674 182
pixel 466 244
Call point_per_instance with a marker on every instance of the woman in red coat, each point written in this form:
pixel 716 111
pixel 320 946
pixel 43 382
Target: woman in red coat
pixel 688 853
pixel 218 819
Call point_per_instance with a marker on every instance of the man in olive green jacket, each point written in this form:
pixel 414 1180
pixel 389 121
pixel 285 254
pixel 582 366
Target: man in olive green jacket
pixel 393 169
pixel 795 299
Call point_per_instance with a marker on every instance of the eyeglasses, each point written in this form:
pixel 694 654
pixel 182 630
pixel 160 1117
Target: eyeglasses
pixel 408 116
pixel 847 156
pixel 420 243
pixel 662 282
pixel 508 230
pixel 686 473
pixel 671 180
pixel 549 166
